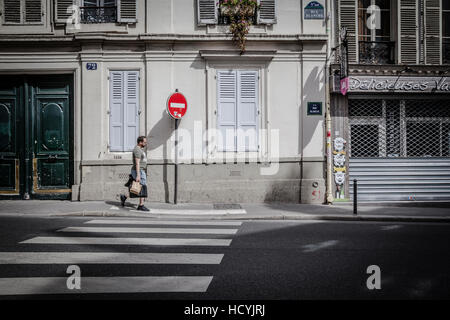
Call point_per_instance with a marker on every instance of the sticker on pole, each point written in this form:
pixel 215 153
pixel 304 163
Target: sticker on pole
pixel 176 105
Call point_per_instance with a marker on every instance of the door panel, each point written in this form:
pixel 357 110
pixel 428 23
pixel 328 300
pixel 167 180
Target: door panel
pixel 35 139
pixel 51 144
pixel 9 157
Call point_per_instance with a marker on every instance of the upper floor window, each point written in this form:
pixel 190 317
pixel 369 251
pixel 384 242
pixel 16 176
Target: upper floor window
pixel 22 12
pixel 446 32
pixel 374 32
pixel 98 11
pixel 208 12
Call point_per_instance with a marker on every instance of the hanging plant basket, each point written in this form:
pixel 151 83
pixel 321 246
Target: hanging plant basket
pixel 240 14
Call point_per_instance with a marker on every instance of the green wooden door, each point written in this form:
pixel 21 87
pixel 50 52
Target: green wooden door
pixel 41 134
pixel 11 117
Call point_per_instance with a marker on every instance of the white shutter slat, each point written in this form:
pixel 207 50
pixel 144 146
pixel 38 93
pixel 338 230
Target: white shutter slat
pixel 127 11
pixel 433 32
pixel 12 12
pixel 247 115
pixel 116 101
pixel 267 12
pixel 207 12
pixel 226 113
pixel 131 104
pixel 62 11
pixel 347 18
pixel 408 32
pixel 33 11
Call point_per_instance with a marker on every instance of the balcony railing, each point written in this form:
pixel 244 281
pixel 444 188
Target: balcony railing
pixel 98 14
pixel 225 20
pixel 376 52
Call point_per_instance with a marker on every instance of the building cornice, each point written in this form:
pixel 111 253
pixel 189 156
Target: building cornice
pixel 150 37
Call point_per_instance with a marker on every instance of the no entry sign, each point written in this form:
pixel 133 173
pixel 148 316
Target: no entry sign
pixel 176 105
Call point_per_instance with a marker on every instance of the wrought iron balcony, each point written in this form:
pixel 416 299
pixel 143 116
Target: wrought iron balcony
pixel 98 14
pixel 376 52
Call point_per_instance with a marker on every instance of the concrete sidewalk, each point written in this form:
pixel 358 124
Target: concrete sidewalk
pixel 400 212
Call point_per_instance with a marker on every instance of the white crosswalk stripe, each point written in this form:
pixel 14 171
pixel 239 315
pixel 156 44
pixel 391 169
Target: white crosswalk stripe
pixel 148 230
pixel 171 231
pixel 164 222
pixel 108 257
pixel 131 241
pixel 24 286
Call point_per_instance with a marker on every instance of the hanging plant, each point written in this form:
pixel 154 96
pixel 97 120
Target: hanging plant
pixel 240 14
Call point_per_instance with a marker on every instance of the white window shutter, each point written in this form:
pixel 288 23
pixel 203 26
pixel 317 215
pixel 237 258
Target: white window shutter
pixel 267 12
pixel 11 11
pixel 347 19
pixel 226 109
pixel 433 31
pixel 131 115
pixel 127 11
pixel 116 110
pixel 207 12
pixel 408 32
pixel 247 111
pixel 33 11
pixel 63 10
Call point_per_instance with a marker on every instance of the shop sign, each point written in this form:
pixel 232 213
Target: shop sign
pixel 399 84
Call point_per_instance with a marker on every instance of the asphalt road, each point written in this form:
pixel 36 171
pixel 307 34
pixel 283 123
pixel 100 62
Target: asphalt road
pixel 282 260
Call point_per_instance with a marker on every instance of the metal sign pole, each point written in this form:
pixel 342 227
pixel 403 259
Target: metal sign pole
pixel 176 162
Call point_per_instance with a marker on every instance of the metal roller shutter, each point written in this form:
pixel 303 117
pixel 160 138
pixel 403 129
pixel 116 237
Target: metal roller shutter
pixel 400 149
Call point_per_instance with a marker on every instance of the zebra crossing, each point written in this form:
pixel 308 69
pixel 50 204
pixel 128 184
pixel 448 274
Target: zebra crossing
pixel 153 237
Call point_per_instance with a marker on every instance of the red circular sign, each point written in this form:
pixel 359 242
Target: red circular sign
pixel 177 105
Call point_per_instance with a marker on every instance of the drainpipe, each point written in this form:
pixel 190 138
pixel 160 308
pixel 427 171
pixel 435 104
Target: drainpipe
pixel 330 44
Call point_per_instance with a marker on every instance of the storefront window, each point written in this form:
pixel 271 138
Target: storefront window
pixel 399 128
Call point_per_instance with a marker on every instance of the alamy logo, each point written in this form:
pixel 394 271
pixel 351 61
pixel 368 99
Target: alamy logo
pixel 374 20
pixel 74 21
pixel 374 280
pixel 74 280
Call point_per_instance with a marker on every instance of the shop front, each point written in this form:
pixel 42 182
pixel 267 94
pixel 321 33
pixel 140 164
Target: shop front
pixel 393 133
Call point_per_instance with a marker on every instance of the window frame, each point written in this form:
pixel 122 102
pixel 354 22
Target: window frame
pixel 373 33
pixel 23 21
pixel 139 89
pixel 445 38
pixel 212 154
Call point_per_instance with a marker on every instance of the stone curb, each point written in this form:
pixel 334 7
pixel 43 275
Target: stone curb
pixel 386 218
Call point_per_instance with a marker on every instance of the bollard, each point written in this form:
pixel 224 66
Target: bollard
pixel 355 197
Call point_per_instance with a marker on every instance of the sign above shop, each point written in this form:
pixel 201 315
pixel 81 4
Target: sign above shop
pixel 314 11
pixel 176 105
pixel 398 84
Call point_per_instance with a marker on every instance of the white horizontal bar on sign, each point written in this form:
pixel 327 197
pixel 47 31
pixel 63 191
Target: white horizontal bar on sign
pixel 166 222
pixel 130 241
pixel 177 105
pixel 108 258
pixel 197 212
pixel 148 230
pixel 58 285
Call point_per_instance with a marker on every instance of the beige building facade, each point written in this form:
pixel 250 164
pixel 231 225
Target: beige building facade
pixel 79 84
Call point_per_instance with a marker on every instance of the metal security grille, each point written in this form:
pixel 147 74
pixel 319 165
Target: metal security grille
pixel 400 149
pixel 382 128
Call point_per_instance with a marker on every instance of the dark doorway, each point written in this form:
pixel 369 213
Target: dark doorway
pixel 36 136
